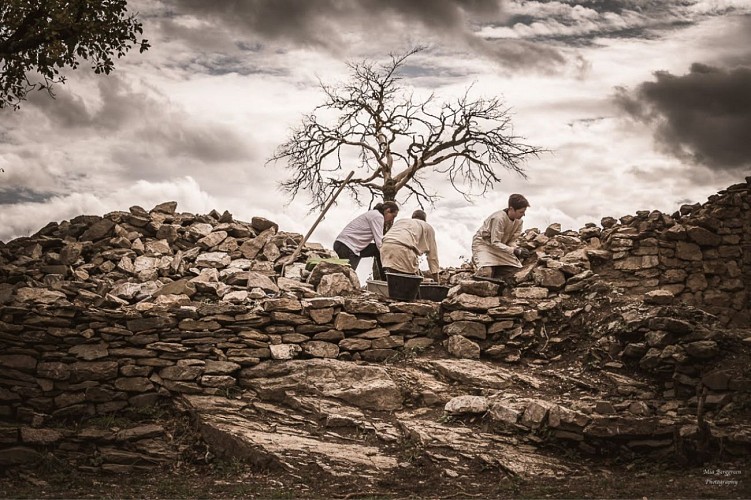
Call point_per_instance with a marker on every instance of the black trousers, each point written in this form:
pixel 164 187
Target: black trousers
pixel 345 252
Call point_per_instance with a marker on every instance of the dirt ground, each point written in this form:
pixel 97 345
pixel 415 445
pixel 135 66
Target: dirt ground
pixel 232 479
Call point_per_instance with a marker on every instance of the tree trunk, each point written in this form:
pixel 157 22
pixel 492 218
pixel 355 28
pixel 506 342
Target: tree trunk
pixel 389 194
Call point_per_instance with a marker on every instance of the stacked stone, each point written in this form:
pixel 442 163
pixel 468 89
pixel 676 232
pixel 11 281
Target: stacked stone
pixel 159 256
pixel 682 347
pixel 477 320
pixel 63 360
pixel 100 314
pixel 91 448
pixel 596 427
pixel 483 318
pixel 347 328
pixel 701 254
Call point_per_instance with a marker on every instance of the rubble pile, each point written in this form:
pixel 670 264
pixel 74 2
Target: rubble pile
pixel 158 256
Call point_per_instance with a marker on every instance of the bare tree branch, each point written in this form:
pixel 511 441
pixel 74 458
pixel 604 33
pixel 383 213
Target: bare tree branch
pixel 390 138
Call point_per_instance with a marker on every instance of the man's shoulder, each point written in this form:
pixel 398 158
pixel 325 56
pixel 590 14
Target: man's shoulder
pixel 372 214
pixel 499 214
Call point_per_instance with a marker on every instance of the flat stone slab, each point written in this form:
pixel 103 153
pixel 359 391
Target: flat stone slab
pixel 480 374
pixel 233 431
pixel 365 386
pixel 490 449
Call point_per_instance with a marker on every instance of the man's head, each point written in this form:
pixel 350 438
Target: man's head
pixel 420 214
pixel 389 209
pixel 517 206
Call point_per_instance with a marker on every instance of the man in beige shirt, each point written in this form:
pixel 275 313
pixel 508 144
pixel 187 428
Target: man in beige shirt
pixel 494 250
pixel 404 243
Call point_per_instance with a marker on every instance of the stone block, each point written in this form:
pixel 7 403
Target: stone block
pixel 461 347
pixel 468 329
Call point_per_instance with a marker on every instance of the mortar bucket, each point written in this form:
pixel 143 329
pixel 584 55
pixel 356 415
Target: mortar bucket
pixel 433 292
pixel 403 286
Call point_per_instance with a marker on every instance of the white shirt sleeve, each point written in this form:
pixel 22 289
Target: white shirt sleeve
pixel 376 226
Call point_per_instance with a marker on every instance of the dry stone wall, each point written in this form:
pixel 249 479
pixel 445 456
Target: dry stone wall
pixel 701 254
pixel 66 362
pixel 103 314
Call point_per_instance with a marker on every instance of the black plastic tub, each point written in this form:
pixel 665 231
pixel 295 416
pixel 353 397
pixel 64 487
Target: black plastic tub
pixel 433 291
pixel 403 286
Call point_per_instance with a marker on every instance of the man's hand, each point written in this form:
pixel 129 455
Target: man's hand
pixel 521 253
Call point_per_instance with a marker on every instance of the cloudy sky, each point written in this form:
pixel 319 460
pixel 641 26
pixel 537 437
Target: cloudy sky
pixel 642 104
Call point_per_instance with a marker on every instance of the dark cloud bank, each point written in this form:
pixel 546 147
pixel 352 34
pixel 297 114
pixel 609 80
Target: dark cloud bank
pixel 324 23
pixel 704 115
pixel 311 22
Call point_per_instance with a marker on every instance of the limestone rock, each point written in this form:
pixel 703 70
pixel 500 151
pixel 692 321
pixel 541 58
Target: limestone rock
pixel 549 278
pixel 337 284
pixel 215 260
pixel 220 367
pixel 468 329
pixel 531 292
pixel 252 247
pixel 330 268
pixel 703 237
pixel 466 405
pixel 472 302
pixel 98 230
pixel 659 297
pixel 536 413
pixel 504 412
pixel 40 296
pixel 320 349
pixel 284 351
pixel 167 207
pixel 474 287
pixel 462 347
pixel 368 387
pixel 702 349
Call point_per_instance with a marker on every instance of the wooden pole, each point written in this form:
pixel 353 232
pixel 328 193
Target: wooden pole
pixel 297 251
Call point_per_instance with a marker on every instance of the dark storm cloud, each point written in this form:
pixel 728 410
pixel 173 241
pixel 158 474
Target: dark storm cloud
pixel 319 22
pixel 22 195
pixel 327 24
pixel 65 110
pixel 209 144
pixel 704 115
pixel 119 105
pixel 126 114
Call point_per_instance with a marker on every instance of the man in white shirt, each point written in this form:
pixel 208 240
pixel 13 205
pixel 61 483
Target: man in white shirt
pixel 406 241
pixel 494 250
pixel 363 236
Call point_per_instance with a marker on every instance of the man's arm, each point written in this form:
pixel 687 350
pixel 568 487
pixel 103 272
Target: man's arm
pixel 497 234
pixel 376 227
pixel 433 264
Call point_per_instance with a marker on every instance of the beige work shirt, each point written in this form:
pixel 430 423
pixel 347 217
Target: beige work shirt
pixel 494 243
pixel 405 242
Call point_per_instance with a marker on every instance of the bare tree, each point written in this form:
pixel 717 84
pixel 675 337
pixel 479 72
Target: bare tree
pixel 392 138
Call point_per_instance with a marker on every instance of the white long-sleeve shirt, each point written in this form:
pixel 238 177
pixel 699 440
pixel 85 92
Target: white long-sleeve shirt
pixel 363 230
